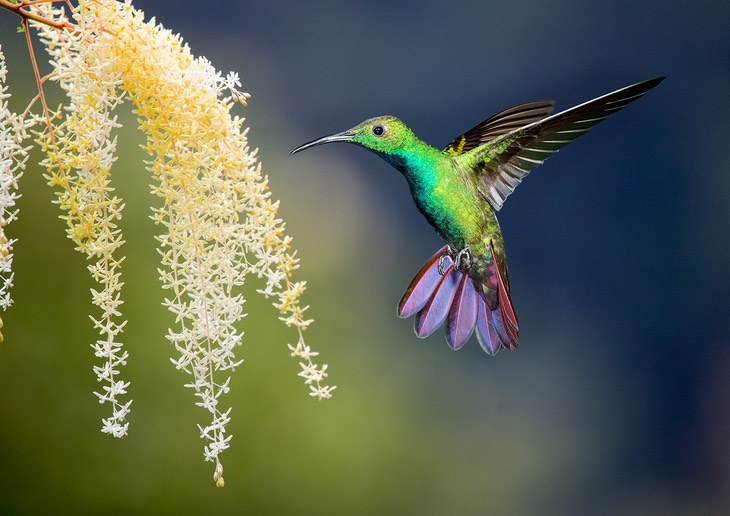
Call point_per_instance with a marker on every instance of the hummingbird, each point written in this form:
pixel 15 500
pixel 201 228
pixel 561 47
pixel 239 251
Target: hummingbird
pixel 459 190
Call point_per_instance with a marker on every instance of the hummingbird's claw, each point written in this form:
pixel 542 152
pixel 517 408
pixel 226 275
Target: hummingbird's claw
pixel 463 259
pixel 442 261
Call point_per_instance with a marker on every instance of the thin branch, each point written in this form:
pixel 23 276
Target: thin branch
pixel 38 96
pixel 30 15
pixel 38 80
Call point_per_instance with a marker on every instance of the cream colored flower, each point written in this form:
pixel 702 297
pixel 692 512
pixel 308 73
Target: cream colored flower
pixel 13 130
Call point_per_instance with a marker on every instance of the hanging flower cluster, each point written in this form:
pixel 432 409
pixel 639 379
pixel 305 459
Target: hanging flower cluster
pixel 13 130
pixel 219 224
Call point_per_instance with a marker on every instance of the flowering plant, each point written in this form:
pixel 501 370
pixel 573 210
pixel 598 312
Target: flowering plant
pixel 218 222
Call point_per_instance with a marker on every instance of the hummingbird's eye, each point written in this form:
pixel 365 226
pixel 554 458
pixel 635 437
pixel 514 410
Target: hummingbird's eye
pixel 378 130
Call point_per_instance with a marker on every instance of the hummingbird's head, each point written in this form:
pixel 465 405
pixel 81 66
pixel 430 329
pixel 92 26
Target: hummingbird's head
pixel 384 135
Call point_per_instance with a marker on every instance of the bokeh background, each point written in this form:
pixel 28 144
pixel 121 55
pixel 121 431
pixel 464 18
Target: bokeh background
pixel 616 402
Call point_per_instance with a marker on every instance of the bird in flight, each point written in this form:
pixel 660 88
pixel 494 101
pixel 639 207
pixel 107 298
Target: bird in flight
pixel 459 190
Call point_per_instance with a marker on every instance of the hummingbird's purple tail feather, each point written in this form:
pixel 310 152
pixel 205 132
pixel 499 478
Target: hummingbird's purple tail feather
pixel 423 285
pixel 487 333
pixel 433 314
pixel 455 298
pixel 463 313
pixel 507 317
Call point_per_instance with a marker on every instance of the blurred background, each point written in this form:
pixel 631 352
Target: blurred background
pixel 616 402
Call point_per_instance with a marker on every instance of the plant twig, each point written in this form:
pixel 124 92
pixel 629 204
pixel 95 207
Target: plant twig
pixel 30 15
pixel 38 80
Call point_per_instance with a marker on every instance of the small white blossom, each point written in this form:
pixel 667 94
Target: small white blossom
pixel 80 157
pixel 13 130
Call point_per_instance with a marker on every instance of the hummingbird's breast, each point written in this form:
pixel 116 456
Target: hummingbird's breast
pixel 448 200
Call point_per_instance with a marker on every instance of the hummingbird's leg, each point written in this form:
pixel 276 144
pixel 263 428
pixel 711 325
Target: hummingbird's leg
pixel 442 259
pixel 463 258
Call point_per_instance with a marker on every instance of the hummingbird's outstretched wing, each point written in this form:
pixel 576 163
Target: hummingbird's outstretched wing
pixel 504 161
pixel 499 124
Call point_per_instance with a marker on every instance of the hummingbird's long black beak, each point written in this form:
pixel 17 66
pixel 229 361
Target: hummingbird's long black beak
pixel 338 137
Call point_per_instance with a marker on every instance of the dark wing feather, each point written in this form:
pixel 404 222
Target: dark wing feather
pixel 503 164
pixel 499 124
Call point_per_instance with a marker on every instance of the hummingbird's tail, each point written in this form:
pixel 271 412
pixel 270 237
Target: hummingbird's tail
pixel 441 292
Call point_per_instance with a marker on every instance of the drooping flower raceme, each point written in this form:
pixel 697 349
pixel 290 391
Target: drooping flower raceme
pixel 13 130
pixel 219 223
pixel 80 154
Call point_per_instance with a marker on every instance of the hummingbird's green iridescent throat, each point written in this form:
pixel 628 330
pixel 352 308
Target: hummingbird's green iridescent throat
pixel 459 190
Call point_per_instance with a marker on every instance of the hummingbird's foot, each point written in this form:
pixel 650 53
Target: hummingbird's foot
pixel 463 259
pixel 442 262
pixel 442 259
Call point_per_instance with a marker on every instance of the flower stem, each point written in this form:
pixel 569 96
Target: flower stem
pixel 30 15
